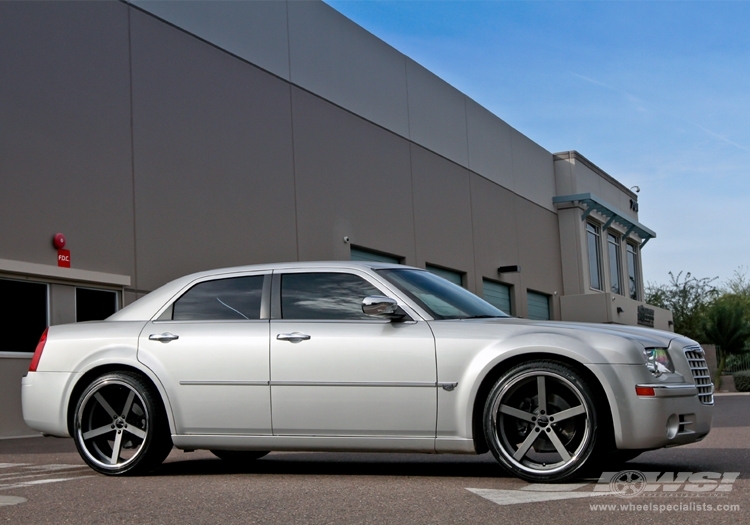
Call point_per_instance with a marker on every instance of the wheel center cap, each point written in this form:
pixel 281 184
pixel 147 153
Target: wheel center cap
pixel 120 423
pixel 542 421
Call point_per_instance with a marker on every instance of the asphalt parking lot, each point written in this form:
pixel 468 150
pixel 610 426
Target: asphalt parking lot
pixel 43 480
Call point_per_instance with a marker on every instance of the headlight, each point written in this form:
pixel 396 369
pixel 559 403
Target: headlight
pixel 657 361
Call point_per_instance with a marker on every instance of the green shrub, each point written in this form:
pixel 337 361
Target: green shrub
pixel 742 381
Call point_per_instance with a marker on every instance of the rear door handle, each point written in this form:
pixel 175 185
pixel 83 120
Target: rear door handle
pixel 164 338
pixel 294 337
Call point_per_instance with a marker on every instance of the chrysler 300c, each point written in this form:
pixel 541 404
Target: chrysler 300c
pixel 349 356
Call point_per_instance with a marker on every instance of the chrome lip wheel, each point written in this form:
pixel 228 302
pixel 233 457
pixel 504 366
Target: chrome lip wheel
pixel 112 424
pixel 541 423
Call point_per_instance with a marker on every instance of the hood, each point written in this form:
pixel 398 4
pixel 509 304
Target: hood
pixel 648 337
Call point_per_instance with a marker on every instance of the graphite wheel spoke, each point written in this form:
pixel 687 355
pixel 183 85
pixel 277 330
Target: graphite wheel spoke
pixel 97 432
pixel 128 404
pixel 514 412
pixel 525 446
pixel 542 393
pixel 552 435
pixel 105 405
pixel 571 412
pixel 136 431
pixel 116 447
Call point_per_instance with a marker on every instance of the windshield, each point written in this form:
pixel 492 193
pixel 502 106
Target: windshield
pixel 440 298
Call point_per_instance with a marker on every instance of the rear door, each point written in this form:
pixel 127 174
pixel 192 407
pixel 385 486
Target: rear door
pixel 210 349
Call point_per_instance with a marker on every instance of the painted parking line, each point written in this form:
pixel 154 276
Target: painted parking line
pixel 12 473
pixel 536 493
pixel 11 500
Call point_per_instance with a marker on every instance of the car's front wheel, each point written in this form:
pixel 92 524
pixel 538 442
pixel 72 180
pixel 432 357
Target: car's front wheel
pixel 540 421
pixel 120 426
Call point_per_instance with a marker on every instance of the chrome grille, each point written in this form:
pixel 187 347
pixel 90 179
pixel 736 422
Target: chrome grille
pixel 701 375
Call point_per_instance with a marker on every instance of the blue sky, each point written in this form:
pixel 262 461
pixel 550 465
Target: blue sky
pixel 655 93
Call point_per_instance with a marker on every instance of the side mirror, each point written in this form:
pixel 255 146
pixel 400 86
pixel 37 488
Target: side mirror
pixel 381 306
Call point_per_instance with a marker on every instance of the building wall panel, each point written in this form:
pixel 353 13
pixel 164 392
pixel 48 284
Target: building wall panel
pixel 352 179
pixel 213 157
pixel 340 61
pixel 255 31
pixel 65 133
pixel 442 213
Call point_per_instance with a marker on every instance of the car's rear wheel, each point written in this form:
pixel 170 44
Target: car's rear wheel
pixel 120 426
pixel 239 456
pixel 540 421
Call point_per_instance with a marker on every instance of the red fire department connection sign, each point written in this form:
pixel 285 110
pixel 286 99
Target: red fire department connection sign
pixel 63 258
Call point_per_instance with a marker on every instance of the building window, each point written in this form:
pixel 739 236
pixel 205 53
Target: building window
pixel 95 305
pixel 632 271
pixel 23 314
pixel 613 245
pixel 538 306
pixel 497 294
pixel 449 275
pixel 363 254
pixel 595 256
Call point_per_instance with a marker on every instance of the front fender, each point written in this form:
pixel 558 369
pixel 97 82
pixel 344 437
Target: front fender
pixel 456 408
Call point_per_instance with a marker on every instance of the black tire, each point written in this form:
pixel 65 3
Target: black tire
pixel 120 426
pixel 526 437
pixel 240 457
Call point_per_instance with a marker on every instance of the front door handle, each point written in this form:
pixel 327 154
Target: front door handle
pixel 294 337
pixel 164 338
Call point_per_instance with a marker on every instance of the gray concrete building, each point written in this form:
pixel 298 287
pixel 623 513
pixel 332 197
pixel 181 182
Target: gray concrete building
pixel 167 137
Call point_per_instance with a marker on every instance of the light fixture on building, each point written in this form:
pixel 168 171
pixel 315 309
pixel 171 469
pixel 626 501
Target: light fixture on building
pixel 509 269
pixel 636 189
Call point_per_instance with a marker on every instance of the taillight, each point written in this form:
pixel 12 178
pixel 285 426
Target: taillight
pixel 38 351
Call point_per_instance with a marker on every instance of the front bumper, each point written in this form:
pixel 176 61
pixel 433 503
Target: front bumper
pixel 44 398
pixel 674 415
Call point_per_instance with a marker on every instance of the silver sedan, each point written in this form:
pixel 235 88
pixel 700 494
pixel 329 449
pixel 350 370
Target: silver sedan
pixel 351 356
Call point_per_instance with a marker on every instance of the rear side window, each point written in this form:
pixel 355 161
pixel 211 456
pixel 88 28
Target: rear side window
pixel 232 299
pixel 324 296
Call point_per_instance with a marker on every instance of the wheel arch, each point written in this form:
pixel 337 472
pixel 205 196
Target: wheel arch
pixel 89 375
pixel 602 398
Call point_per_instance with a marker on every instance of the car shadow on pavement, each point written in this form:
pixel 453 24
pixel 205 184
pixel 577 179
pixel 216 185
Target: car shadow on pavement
pixel 325 463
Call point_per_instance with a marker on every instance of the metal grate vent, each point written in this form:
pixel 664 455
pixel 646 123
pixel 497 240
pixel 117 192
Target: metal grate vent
pixel 701 376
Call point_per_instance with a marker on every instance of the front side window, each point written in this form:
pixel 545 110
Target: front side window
pixel 23 314
pixel 595 256
pixel 233 299
pixel 440 298
pixel 613 244
pixel 632 271
pixel 324 296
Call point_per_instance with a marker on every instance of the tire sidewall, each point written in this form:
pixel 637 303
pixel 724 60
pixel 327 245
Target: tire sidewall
pixel 150 449
pixel 490 432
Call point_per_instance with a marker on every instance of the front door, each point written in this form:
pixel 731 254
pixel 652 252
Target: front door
pixel 338 372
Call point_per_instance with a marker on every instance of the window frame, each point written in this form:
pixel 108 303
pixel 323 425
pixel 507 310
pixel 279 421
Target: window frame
pixel 598 255
pixel 275 295
pixel 164 315
pixel 614 240
pixel 633 248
